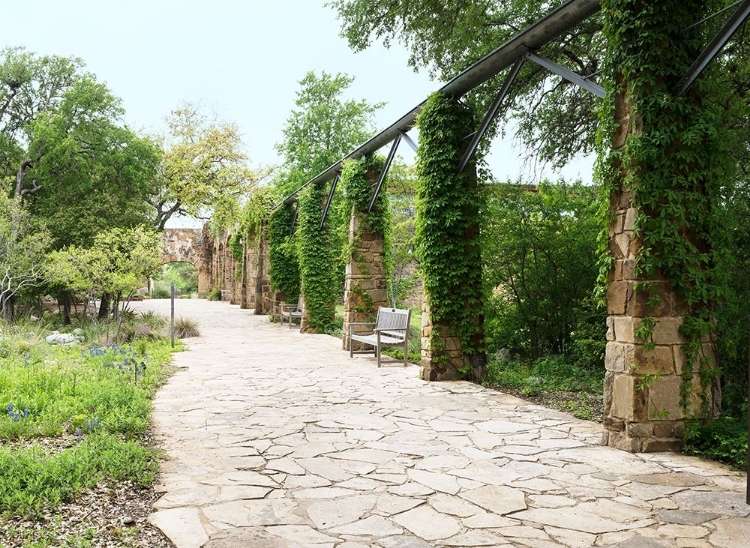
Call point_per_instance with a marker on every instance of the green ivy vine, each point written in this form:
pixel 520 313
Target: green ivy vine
pixel 447 236
pixel 237 246
pixel 283 257
pixel 673 165
pixel 317 260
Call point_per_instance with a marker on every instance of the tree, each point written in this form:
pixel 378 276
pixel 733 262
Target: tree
pixel 540 263
pixel 323 128
pixel 203 166
pixel 23 244
pixel 446 36
pixel 66 150
pixel 116 264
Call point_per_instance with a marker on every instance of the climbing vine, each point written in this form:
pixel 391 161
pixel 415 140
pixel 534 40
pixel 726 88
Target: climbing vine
pixel 357 180
pixel 317 260
pixel 283 256
pixel 236 246
pixel 358 192
pixel 447 235
pixel 672 165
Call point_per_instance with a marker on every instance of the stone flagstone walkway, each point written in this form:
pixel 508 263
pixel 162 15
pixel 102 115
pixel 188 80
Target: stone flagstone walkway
pixel 278 439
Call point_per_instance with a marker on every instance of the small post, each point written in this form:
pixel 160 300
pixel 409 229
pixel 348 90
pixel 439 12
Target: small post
pixel 171 322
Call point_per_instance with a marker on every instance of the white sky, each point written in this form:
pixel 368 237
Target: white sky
pixel 240 59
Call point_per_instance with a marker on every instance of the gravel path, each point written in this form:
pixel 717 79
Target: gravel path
pixel 277 439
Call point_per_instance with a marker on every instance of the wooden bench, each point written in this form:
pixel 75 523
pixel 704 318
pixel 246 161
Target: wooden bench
pixel 291 311
pixel 390 329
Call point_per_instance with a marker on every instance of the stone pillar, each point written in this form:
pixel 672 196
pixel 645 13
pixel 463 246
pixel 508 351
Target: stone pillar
pixel 244 278
pixel 644 378
pixel 365 285
pixel 649 387
pixel 262 282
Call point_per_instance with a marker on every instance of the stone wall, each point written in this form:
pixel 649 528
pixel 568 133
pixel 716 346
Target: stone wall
pixel 188 245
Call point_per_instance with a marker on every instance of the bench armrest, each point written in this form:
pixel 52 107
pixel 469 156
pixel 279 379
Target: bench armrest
pixel 404 329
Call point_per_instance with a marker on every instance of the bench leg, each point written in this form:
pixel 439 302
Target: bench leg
pixel 406 353
pixel 377 353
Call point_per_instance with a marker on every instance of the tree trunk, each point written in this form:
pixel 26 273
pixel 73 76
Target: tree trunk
pixel 63 301
pixel 104 307
pixel 8 308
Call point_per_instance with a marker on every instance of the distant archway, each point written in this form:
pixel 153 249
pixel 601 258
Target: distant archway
pixel 187 245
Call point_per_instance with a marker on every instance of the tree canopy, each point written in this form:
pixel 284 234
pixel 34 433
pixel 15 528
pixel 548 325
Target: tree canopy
pixel 203 166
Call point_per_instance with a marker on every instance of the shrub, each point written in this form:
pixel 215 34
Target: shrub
pixel 724 440
pixel 214 294
pixel 185 328
pixel 161 293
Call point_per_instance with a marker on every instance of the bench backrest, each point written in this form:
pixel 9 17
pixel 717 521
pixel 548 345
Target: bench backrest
pixel 393 318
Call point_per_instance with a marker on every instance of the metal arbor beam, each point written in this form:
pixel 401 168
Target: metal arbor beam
pixel 329 200
pixel 386 167
pixel 713 49
pixel 559 20
pixel 567 74
pixel 490 114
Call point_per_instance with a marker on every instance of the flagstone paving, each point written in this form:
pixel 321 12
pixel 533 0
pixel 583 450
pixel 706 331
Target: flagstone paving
pixel 278 439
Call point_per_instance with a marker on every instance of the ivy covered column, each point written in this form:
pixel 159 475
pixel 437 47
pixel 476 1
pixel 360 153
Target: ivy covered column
pixel 365 285
pixel 259 265
pixel 283 258
pixel 663 174
pixel 448 242
pixel 316 261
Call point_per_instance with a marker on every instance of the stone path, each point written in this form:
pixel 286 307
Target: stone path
pixel 279 439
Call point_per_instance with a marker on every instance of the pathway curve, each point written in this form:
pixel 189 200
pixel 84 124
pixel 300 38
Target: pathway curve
pixel 279 439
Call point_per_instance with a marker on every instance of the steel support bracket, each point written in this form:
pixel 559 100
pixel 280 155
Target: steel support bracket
pixel 386 167
pixel 409 140
pixel 712 50
pixel 567 74
pixel 496 102
pixel 329 200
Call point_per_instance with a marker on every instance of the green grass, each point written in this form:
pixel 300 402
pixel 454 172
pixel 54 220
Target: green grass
pixel 96 398
pixel 553 373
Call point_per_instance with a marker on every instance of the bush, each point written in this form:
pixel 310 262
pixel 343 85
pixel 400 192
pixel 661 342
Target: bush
pixel 724 440
pixel 185 328
pixel 161 293
pixel 214 294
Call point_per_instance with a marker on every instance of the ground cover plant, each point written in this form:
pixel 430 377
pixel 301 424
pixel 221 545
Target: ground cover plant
pixel 73 418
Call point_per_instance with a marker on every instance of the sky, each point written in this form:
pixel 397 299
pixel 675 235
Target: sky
pixel 242 60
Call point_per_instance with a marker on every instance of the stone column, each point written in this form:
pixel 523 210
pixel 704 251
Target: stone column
pixel 365 285
pixel 644 379
pixel 649 388
pixel 262 282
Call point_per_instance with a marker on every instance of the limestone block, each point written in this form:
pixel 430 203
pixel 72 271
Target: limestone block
pixel 639 429
pixel 617 295
pixel 618 357
pixel 630 218
pixel 667 330
pixel 664 398
pixel 615 275
pixel 619 440
pixel 667 429
pixel 648 362
pixel 610 328
pixel 615 227
pixel 624 329
pixel 623 395
pixel 628 267
pixel 656 445
pixel 622 245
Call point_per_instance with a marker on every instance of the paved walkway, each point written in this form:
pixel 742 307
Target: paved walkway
pixel 279 439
